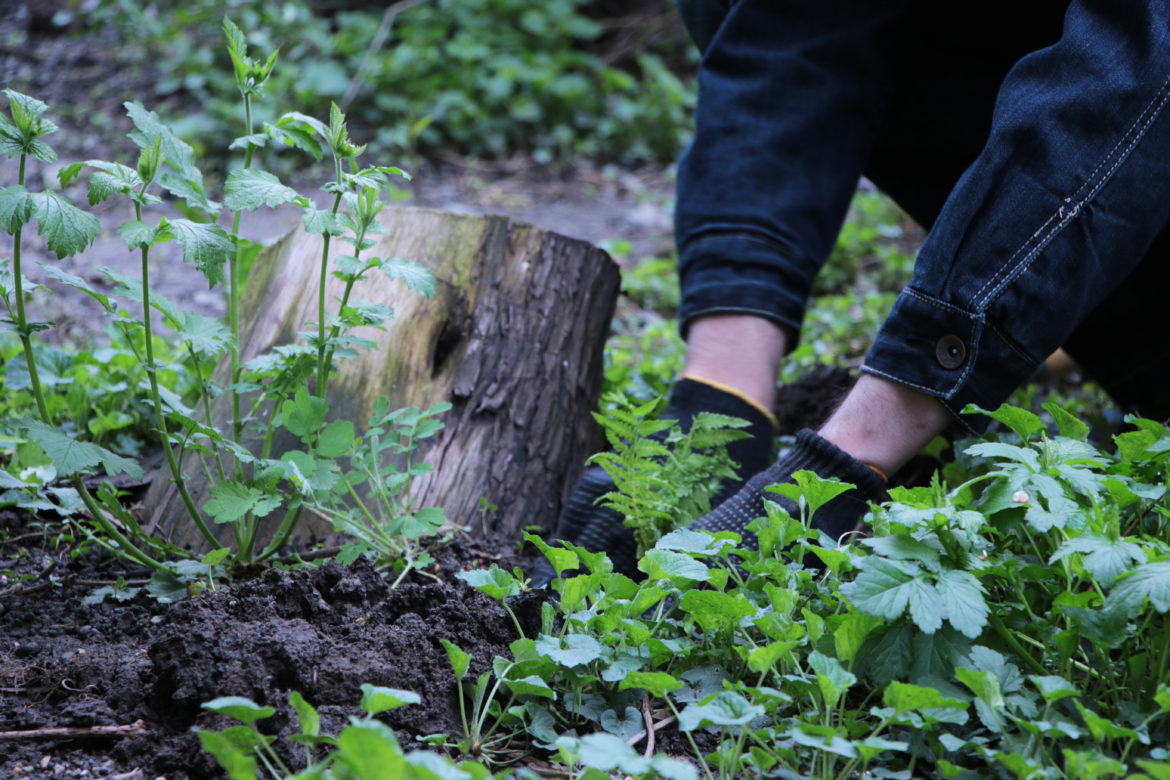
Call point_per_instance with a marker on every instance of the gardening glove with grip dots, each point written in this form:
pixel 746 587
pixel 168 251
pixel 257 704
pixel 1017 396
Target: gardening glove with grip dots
pixel 811 453
pixel 599 529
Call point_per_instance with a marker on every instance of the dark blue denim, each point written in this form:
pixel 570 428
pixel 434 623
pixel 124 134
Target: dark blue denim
pixel 1031 138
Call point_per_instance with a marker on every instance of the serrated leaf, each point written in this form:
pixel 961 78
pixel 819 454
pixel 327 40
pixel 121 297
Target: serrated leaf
pixel 70 456
pixel 724 709
pixel 414 276
pixel 904 697
pixel 336 439
pixel 560 558
pixel 715 610
pixel 248 189
pixel 1148 581
pixel 230 501
pixel 68 229
pixel 657 683
pixel 138 234
pixel 207 336
pixel 206 245
pixel 176 152
pixel 321 221
pixel 1022 421
pixel 1105 559
pixel 885 589
pixel 661 564
pixel 962 598
pixel 304 414
pixel 16 208
pixel 495 582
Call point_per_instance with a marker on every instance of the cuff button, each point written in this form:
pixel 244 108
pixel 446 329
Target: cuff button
pixel 950 352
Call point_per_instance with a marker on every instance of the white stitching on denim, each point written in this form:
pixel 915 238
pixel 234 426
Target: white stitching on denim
pixel 1134 134
pixel 1011 344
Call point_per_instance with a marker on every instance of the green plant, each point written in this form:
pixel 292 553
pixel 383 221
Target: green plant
pixel 484 77
pixel 664 478
pixel 282 389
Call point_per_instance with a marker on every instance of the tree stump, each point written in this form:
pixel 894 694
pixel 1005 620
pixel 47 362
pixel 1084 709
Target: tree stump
pixel 512 338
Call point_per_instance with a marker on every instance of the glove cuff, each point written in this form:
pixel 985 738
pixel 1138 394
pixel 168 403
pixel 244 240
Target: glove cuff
pixel 703 387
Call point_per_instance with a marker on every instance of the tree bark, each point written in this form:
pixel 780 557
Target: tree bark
pixel 512 338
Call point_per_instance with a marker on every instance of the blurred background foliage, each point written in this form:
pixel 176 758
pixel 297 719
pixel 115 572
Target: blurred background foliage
pixel 488 78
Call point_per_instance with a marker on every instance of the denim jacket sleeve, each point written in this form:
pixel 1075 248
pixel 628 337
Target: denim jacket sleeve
pixel 1070 190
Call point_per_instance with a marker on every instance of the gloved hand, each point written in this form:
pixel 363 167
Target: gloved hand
pixel 599 529
pixel 811 453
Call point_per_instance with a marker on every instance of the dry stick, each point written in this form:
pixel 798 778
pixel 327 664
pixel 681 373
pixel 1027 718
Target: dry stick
pixel 648 719
pixel 115 732
pixel 634 740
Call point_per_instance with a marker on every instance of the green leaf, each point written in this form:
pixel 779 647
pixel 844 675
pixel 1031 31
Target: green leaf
pixel 1003 451
pixel 886 588
pixel 370 751
pixel 1148 581
pixel 530 685
pixel 206 245
pixel 305 414
pixel 662 564
pixel 248 189
pixel 70 456
pixel 1023 422
pixel 243 710
pixel 904 697
pixel 16 208
pixel 715 610
pixel 832 678
pixel 1053 687
pixel 562 560
pixel 495 582
pixel 657 683
pixel 68 229
pixel 377 699
pixel 983 684
pixel 962 598
pixel 138 234
pixel 724 709
pixel 459 659
pixel 336 439
pixel 238 764
pixel 851 633
pixel 415 276
pixel 1105 559
pixel 231 501
pixel 207 336
pixel 571 650
pixel 321 221
pixel 1066 422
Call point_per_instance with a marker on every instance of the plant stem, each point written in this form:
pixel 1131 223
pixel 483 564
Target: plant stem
pixel 234 264
pixel 1007 636
pixel 322 366
pixel 152 376
pixel 203 395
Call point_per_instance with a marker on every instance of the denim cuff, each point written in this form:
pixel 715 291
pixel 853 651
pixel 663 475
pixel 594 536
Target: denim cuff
pixel 955 355
pixel 743 273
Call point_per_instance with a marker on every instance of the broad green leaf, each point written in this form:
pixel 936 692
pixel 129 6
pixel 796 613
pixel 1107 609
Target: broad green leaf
pixel 231 501
pixel 606 753
pixel 206 245
pixel 657 683
pixel 901 547
pixel 663 564
pixel 432 766
pixel 415 276
pixel 688 541
pixel 962 598
pixel 832 678
pixel 238 764
pixel 570 650
pixel 724 709
pixel 1104 558
pixel 377 699
pixel 561 559
pixel 304 414
pixel 983 684
pixel 243 710
pixel 208 336
pixel 819 491
pixel 68 229
pixel 459 659
pixel 1148 581
pixel 714 610
pixel 138 234
pixel 16 208
pixel 76 282
pixel 247 189
pixel 1066 422
pixel 904 697
pixel 321 221
pixel 624 726
pixel 886 588
pixel 852 632
pixel 336 439
pixel 1053 687
pixel 530 685
pixel 1104 728
pixel 370 751
pixel 495 582
pixel 176 152
pixel 824 738
pixel 998 450
pixel 70 456
pixel 1023 422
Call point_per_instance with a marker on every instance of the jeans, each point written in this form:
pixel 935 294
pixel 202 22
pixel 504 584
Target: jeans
pixel 1031 139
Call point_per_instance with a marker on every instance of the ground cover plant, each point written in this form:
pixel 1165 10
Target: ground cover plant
pixel 1005 619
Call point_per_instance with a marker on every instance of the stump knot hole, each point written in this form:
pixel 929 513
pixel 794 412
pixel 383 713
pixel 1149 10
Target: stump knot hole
pixel 453 333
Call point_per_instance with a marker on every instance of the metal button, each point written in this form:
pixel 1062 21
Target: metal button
pixel 950 352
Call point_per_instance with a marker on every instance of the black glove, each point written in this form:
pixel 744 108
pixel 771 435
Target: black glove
pixel 811 453
pixel 599 529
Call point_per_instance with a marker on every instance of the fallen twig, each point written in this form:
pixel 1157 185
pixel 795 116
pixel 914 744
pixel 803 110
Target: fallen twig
pixel 634 740
pixel 114 732
pixel 648 719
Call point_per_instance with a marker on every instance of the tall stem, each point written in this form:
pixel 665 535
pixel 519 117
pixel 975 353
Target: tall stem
pixel 234 264
pixel 323 365
pixel 152 376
